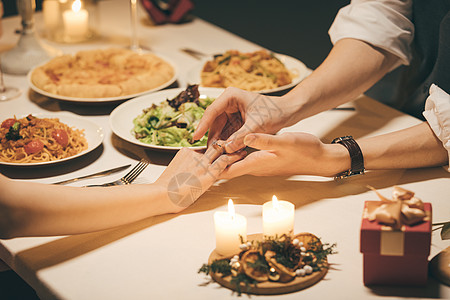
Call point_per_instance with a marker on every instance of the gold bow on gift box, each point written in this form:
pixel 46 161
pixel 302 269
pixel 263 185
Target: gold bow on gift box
pixel 403 209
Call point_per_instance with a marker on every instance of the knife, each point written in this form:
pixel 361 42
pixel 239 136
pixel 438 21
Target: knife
pixel 98 174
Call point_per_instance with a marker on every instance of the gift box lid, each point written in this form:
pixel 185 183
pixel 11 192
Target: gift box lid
pixel 380 239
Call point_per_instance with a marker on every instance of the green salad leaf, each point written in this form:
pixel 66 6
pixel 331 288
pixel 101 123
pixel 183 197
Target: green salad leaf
pixel 173 122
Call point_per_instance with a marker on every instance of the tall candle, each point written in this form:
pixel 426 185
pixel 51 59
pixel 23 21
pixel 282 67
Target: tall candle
pixel 229 227
pixel 278 217
pixel 76 23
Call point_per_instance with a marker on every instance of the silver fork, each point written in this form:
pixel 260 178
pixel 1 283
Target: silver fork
pixel 129 177
pixel 194 53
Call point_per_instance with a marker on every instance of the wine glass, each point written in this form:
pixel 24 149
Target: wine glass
pixel 134 23
pixel 7 92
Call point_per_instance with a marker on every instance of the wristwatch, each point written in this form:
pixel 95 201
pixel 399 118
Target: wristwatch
pixel 356 156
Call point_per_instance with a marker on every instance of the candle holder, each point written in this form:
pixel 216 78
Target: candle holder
pixel 271 266
pixel 29 51
pixel 70 21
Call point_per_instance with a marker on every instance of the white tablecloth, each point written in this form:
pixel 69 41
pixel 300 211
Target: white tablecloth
pixel 158 258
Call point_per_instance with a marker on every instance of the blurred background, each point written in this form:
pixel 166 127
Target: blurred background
pixel 296 28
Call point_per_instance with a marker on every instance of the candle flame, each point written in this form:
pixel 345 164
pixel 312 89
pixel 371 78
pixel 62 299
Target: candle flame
pixel 231 211
pixel 275 202
pixel 76 5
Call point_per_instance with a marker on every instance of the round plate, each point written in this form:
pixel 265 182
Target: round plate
pixel 105 99
pixel 93 133
pixel 292 64
pixel 268 287
pixel 121 118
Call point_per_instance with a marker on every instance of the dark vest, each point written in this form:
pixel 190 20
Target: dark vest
pixel 430 63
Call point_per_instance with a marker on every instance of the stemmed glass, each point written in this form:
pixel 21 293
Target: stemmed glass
pixel 134 23
pixel 7 92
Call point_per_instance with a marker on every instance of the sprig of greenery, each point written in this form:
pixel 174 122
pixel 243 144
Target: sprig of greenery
pixel 286 253
pixel 260 265
pixel 221 266
pixel 242 278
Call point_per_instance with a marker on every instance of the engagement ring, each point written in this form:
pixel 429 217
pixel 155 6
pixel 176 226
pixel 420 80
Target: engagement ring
pixel 217 146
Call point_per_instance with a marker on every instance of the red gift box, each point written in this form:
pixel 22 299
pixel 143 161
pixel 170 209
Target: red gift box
pixel 395 256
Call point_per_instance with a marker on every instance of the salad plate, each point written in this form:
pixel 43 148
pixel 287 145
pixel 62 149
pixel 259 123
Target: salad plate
pixel 121 118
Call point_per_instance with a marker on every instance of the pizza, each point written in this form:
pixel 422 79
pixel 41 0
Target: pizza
pixel 102 73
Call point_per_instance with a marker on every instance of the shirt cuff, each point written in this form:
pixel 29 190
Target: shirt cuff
pixel 437 114
pixel 380 23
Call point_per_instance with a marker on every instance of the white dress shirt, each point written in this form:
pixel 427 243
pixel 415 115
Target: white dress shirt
pixel 386 24
pixel 437 114
pixel 382 23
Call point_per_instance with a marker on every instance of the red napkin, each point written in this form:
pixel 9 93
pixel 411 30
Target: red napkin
pixel 171 11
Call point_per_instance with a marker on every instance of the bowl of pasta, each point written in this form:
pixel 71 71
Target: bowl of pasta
pixel 41 139
pixel 259 71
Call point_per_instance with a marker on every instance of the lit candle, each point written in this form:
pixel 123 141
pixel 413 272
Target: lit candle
pixel 76 23
pixel 229 228
pixel 278 217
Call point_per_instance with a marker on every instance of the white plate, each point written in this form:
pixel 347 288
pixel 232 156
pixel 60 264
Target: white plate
pixel 105 99
pixel 121 118
pixel 193 76
pixel 93 133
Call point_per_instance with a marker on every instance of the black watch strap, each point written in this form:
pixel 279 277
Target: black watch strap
pixel 356 156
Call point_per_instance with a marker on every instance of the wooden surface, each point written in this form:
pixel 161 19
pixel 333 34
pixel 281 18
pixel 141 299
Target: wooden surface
pixel 268 287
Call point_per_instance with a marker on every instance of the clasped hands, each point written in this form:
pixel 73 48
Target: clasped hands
pixel 239 119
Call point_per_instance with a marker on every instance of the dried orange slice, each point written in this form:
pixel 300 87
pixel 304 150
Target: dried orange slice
pixel 286 274
pixel 247 260
pixel 309 240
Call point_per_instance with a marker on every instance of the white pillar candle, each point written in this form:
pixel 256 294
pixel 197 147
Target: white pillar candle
pixel 50 10
pixel 229 228
pixel 76 21
pixel 278 217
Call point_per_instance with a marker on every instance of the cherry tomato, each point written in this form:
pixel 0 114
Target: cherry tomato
pixel 61 137
pixel 33 147
pixel 8 123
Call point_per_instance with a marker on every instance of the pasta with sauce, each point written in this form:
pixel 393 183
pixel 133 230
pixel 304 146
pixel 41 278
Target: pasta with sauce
pixel 33 140
pixel 255 71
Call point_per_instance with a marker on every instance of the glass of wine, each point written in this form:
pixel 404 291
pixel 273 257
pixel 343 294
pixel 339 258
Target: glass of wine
pixel 134 24
pixel 7 92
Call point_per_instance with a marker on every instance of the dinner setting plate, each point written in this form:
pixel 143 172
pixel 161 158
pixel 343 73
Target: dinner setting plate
pixel 92 132
pixel 104 99
pixel 193 76
pixel 121 118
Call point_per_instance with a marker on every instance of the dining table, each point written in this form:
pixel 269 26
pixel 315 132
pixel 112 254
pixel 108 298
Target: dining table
pixel 159 257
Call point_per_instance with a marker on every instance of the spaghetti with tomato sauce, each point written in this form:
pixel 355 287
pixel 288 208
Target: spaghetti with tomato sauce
pixel 32 140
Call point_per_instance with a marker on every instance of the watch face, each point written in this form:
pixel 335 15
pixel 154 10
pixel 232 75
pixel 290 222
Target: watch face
pixel 342 138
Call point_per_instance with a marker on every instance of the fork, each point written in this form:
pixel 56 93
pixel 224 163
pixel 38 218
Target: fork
pixel 194 53
pixel 129 177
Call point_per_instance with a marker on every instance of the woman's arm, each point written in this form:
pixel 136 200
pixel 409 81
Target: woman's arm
pixel 33 209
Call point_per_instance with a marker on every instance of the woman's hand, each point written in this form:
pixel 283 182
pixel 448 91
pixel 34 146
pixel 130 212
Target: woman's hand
pixel 236 113
pixel 191 173
pixel 290 154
